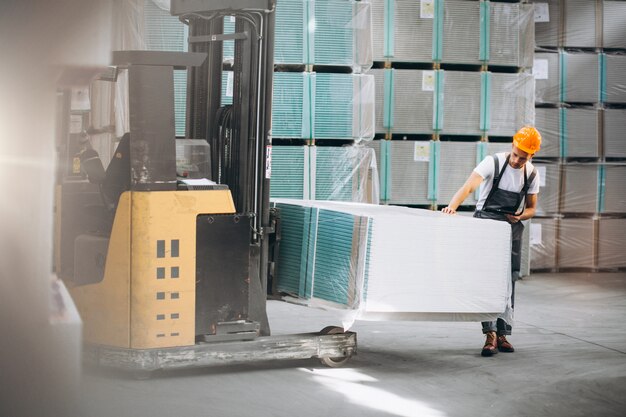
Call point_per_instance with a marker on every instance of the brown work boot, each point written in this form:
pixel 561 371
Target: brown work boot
pixel 491 345
pixel 504 345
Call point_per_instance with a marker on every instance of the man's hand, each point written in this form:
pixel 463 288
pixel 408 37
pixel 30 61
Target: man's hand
pixel 513 219
pixel 448 210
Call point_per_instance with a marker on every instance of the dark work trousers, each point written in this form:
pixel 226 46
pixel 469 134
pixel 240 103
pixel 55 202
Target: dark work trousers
pixel 517 229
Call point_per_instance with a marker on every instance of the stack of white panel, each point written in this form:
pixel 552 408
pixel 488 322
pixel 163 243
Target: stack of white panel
pixel 614 128
pixel 575 243
pixel 580 24
pixel 614 30
pixel 547 78
pixel 461 102
pixel 614 188
pixel 580 191
pixel 511 34
pixel 412 33
pixel 543 233
pixel 407 174
pixel 615 79
pixel 379 93
pixel 378 29
pixel 547 22
pixel 581 133
pixel 511 103
pixel 582 77
pixel 461 32
pixel 550 188
pixel 547 122
pixel 456 162
pixel 407 266
pixel 413 102
pixel 611 243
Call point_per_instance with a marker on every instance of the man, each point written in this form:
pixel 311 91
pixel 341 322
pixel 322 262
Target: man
pixel 509 188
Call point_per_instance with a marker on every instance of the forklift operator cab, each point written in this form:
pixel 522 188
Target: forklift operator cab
pixel 136 283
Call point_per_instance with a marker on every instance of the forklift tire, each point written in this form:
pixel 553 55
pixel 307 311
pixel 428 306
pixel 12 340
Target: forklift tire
pixel 337 362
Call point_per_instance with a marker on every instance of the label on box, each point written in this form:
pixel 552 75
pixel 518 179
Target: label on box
pixel 428 81
pixel 76 123
pixel 427 9
pixel 268 162
pixel 541 171
pixel 535 234
pixel 542 12
pixel 540 69
pixel 229 83
pixel 80 99
pixel 421 151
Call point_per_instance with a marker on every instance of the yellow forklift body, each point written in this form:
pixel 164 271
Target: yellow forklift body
pixel 147 297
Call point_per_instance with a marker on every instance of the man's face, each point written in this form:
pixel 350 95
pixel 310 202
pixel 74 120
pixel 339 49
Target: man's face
pixel 518 157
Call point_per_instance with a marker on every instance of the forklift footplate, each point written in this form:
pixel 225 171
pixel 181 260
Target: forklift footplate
pixel 336 347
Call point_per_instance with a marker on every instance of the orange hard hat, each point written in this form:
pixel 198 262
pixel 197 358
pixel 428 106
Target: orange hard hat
pixel 527 139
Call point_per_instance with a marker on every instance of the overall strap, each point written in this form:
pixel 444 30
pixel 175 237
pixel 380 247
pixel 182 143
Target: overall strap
pixel 497 175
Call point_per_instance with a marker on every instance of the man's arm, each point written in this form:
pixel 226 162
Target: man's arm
pixel 529 211
pixel 472 182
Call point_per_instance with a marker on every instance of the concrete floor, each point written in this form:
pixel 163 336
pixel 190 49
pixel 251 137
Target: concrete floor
pixel 570 337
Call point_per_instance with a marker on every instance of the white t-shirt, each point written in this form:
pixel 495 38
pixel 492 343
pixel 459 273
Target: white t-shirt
pixel 512 179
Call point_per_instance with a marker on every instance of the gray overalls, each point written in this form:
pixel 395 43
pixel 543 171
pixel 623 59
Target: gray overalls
pixel 498 204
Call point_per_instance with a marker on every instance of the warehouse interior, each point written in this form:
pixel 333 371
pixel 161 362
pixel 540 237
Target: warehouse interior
pixel 275 244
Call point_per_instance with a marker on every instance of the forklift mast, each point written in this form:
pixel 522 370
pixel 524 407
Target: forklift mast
pixel 239 134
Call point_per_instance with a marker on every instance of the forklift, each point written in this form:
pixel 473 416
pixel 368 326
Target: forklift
pixel 167 270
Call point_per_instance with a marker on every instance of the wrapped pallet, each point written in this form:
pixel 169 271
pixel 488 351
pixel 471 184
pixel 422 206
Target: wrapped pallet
pixel 611 243
pixel 391 263
pixel 405 100
pixel 549 187
pixel 543 234
pixel 547 78
pixel 330 32
pixel 614 128
pixel 576 243
pixel 547 121
pixel 323 106
pixel 613 30
pixel 347 173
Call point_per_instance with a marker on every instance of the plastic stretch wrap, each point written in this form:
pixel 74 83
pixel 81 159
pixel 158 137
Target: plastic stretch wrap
pixel 611 243
pixel 512 34
pixel 581 188
pixel 347 173
pixel 580 24
pixel 613 192
pixel 580 133
pixel 404 170
pixel 456 162
pixel 453 31
pixel 580 79
pixel 576 243
pixel 323 106
pixel 460 107
pixel 330 32
pixel 405 100
pixel 461 32
pixel 547 78
pixel 547 122
pixel 614 128
pixel 392 263
pixel 547 16
pixel 549 187
pixel 613 29
pixel 511 102
pixel 543 234
pixel 614 80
